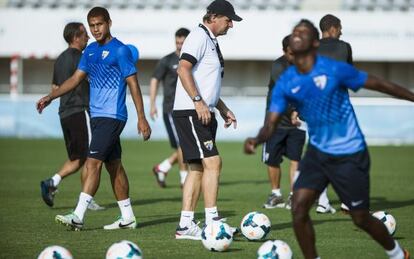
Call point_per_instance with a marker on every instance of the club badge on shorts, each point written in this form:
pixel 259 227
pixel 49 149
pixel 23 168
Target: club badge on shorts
pixel 209 144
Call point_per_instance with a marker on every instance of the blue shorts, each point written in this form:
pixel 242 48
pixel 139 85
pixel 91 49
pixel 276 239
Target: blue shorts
pixel 105 144
pixel 348 174
pixel 283 142
pixel 171 130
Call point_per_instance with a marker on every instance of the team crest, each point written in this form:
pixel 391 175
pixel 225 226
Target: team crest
pixel 105 53
pixel 209 144
pixel 320 81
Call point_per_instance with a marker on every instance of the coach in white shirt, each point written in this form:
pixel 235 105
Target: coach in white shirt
pixel 200 72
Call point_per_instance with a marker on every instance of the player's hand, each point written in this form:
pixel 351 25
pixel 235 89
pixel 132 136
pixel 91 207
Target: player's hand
pixel 250 146
pixel 229 118
pixel 294 118
pixel 144 128
pixel 43 103
pixel 153 112
pixel 203 113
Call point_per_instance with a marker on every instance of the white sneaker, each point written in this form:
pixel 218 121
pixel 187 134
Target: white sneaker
pixel 70 220
pixel 95 206
pixel 324 210
pixel 232 229
pixel 120 223
pixel 192 232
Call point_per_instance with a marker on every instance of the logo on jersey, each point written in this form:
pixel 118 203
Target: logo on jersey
pixel 105 53
pixel 296 89
pixel 320 81
pixel 209 144
pixel 175 66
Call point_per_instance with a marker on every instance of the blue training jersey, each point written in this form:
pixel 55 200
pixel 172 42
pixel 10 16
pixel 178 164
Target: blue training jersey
pixel 107 67
pixel 322 100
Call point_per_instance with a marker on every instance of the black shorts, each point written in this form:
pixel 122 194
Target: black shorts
pixel 283 142
pixel 197 141
pixel 76 131
pixel 106 144
pixel 348 174
pixel 171 130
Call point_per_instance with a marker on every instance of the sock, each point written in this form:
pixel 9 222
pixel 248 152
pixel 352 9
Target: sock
pixel 396 252
pixel 183 175
pixel 84 200
pixel 126 209
pixel 323 199
pixel 165 166
pixel 276 192
pixel 186 218
pixel 56 180
pixel 210 214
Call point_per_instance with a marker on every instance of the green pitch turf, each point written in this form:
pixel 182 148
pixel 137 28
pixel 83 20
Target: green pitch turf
pixel 27 224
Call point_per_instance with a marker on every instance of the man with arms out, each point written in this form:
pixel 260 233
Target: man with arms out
pixel 337 153
pixel 166 71
pixel 109 65
pixel 73 112
pixel 200 72
pixel 287 140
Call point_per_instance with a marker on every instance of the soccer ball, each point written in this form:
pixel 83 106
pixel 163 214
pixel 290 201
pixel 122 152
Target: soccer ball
pixel 387 219
pixel 124 249
pixel 274 250
pixel 52 252
pixel 255 225
pixel 216 236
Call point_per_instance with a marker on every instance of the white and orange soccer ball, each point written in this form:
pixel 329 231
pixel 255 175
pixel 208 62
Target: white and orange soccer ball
pixel 388 220
pixel 53 252
pixel 124 249
pixel 274 249
pixel 255 225
pixel 217 236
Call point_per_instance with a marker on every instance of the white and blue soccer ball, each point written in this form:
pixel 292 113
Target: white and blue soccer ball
pixel 124 249
pixel 255 225
pixel 388 220
pixel 277 249
pixel 53 252
pixel 216 236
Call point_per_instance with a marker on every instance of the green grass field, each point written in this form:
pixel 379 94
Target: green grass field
pixel 27 224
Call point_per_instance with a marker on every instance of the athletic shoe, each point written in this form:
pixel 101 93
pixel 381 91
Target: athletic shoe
pixel 48 191
pixel 159 176
pixel 344 208
pixel 232 229
pixel 325 209
pixel 288 204
pixel 192 232
pixel 274 201
pixel 95 206
pixel 120 223
pixel 70 220
pixel 406 254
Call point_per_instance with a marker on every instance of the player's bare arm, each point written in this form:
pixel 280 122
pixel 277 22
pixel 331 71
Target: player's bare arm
pixel 387 87
pixel 68 85
pixel 271 121
pixel 184 72
pixel 135 90
pixel 227 115
pixel 154 83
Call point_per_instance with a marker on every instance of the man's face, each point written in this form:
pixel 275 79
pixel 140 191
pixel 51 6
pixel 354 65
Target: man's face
pixel 222 24
pixel 289 55
pixel 179 43
pixel 99 28
pixel 336 32
pixel 301 39
pixel 83 37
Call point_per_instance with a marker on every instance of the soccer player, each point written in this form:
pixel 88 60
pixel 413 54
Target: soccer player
pixel 200 72
pixel 166 71
pixel 287 140
pixel 331 46
pixel 73 112
pixel 109 65
pixel 337 152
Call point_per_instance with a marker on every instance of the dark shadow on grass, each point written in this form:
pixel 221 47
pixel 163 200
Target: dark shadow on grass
pixel 315 222
pixel 243 182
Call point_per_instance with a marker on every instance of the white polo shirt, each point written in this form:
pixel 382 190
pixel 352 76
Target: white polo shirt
pixel 201 50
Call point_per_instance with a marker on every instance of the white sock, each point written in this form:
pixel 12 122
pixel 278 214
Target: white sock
pixel 323 198
pixel 126 209
pixel 186 218
pixel 396 253
pixel 276 192
pixel 84 200
pixel 56 180
pixel 165 166
pixel 183 175
pixel 210 214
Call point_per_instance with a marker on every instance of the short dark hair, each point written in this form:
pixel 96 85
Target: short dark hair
pixel 182 32
pixel 285 42
pixel 329 21
pixel 99 11
pixel 311 26
pixel 71 31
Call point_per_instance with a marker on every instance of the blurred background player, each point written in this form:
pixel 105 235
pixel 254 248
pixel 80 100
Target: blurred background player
pixel 73 112
pixel 287 140
pixel 110 67
pixel 166 71
pixel 331 46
